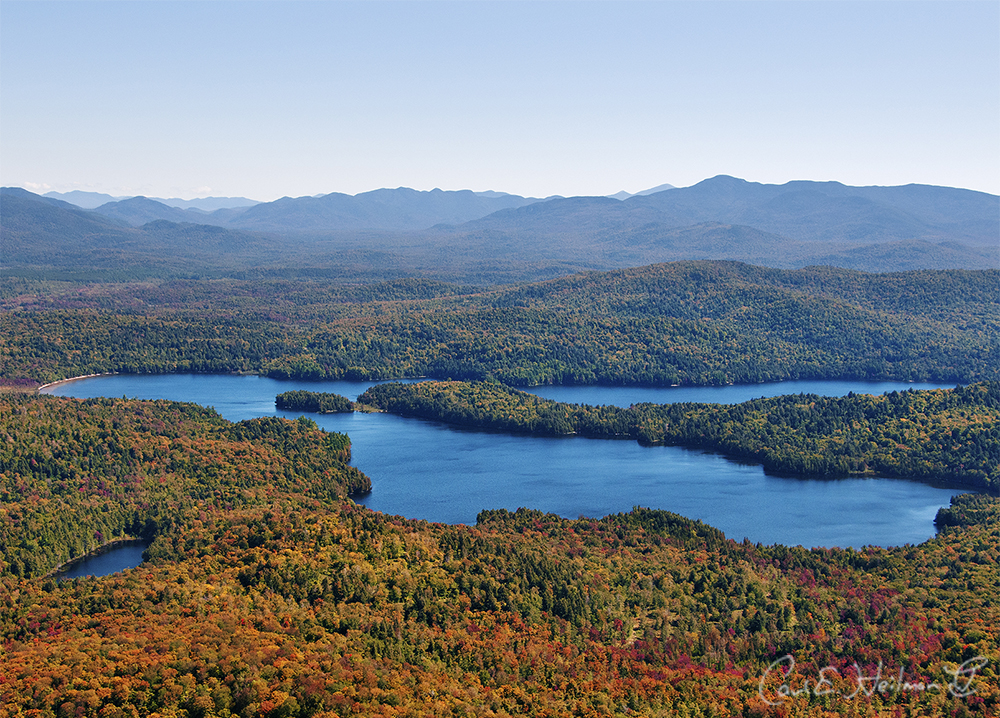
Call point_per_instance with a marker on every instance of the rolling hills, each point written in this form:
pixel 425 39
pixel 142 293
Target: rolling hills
pixel 698 322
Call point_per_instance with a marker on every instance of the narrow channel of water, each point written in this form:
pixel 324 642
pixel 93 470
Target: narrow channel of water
pixel 732 394
pixel 427 470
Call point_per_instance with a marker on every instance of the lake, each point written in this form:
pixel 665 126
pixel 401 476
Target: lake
pixel 110 560
pixel 428 470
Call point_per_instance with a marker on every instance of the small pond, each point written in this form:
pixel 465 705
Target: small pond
pixel 112 559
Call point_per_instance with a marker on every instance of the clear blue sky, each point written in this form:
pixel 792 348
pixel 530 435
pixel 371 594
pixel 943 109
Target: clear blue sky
pixel 265 99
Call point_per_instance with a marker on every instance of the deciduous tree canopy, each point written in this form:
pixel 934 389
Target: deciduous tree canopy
pixel 267 595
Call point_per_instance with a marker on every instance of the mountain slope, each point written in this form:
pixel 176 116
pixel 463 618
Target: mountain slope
pixel 387 209
pixel 802 211
pixel 45 232
pixel 137 211
pixel 42 231
pixel 366 237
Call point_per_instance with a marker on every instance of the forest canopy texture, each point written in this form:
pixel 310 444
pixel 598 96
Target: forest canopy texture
pixel 268 592
pixel 690 323
pixel 265 596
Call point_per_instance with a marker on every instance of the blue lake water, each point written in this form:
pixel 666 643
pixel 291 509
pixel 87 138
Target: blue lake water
pixel 113 560
pixel 731 394
pixel 427 470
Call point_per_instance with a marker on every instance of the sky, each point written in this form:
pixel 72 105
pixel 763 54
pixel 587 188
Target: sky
pixel 271 99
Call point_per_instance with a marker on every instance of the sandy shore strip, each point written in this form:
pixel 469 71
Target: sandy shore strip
pixel 43 387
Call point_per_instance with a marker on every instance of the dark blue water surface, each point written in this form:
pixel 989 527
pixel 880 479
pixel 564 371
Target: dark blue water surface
pixel 112 560
pixel 732 394
pixel 427 470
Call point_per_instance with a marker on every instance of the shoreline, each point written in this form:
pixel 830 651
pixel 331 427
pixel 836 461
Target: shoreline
pixel 51 384
pixel 98 551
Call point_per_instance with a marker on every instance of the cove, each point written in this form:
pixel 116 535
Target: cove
pixel 427 470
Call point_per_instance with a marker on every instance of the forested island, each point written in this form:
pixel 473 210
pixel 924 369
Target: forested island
pixel 315 402
pixel 268 592
pixel 938 435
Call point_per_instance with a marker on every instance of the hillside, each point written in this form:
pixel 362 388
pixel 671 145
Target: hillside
pixel 681 323
pixel 263 596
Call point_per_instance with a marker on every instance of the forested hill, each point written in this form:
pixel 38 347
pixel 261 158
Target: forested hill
pixel 266 595
pixel 75 474
pixel 680 323
pixel 717 289
pixel 951 435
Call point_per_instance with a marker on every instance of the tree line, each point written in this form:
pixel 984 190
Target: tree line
pixel 933 435
pixel 313 402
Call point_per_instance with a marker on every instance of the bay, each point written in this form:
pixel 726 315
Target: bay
pixel 428 470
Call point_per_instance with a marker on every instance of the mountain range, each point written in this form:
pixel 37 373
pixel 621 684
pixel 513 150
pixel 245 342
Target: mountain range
pixel 493 237
pixel 803 211
pixel 92 200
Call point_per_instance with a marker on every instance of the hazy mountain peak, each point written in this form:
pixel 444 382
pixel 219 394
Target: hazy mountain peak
pixel 725 181
pixel 654 190
pixel 208 204
pixel 623 195
pixel 139 210
pixel 491 194
pixel 80 198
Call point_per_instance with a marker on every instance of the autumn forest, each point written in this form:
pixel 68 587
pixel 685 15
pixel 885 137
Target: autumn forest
pixel 267 591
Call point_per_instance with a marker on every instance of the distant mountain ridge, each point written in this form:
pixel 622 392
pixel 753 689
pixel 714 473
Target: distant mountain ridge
pixel 39 232
pixel 388 209
pixel 802 211
pixel 400 209
pixel 492 237
pixel 84 200
pixel 93 200
pixel 652 190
